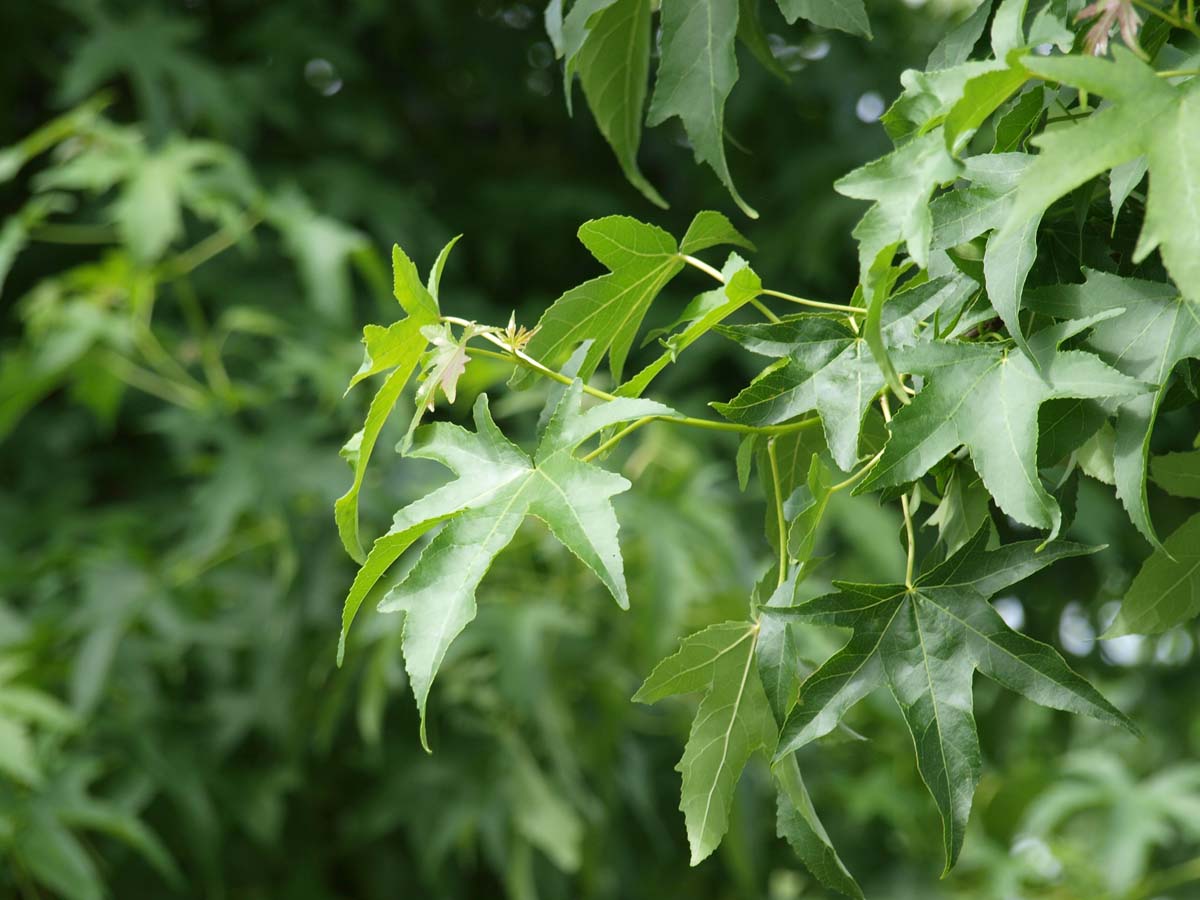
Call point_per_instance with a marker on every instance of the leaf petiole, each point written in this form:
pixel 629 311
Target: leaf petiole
pixel 780 521
pixel 911 550
pixel 791 298
pixel 520 357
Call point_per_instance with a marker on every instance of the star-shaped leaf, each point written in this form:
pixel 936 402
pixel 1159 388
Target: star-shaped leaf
pixel 828 367
pixel 925 642
pixel 1157 330
pixel 498 485
pixel 607 310
pixel 986 397
pixel 1146 115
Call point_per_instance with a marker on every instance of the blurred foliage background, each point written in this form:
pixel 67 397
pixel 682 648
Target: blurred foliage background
pixel 198 199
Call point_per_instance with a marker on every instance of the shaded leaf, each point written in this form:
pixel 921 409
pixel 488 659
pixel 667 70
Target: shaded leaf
pixel 924 642
pixel 696 72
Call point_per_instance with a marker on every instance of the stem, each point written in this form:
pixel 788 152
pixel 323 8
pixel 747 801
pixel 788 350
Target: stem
pixel 617 438
pixel 529 362
pixel 1177 73
pixel 804 301
pixel 213 245
pixel 765 310
pixel 857 476
pixel 911 549
pixel 155 384
pixel 780 524
pixel 703 267
pixel 210 352
pixel 817 304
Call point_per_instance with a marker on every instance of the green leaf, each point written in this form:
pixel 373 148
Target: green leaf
pixel 829 367
pixel 696 72
pixel 1157 330
pixel 775 653
pixel 613 66
pixel 552 18
pixel 1008 27
pixel 977 392
pixel 732 722
pixel 925 642
pixel 1013 125
pixel 956 45
pixel 964 214
pixel 963 509
pixel 845 15
pixel 711 229
pixel 400 347
pixel 981 97
pixel 607 310
pixel 1166 590
pixel 1122 180
pixel 750 32
pixel 812 501
pixel 1147 116
pixel 900 184
pixel 434 283
pixel 498 485
pixel 1178 473
pixel 797 822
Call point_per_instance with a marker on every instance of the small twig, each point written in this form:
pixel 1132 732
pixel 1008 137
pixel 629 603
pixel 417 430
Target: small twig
pixel 617 438
pixel 780 522
pixel 908 520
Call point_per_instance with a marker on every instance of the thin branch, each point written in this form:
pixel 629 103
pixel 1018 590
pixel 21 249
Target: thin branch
pixel 910 562
pixel 857 476
pixel 816 304
pixel 780 522
pixel 791 298
pixel 520 357
pixel 617 438
pixel 213 245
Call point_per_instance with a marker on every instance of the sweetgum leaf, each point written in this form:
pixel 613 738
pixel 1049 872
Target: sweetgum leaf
pixel 1157 329
pixel 498 485
pixel 696 72
pixel 733 722
pixel 613 66
pixel 900 184
pixel 1146 115
pixel 711 229
pixel 398 347
pixel 607 310
pixel 1178 473
pixel 828 365
pixel 964 214
pixel 1166 590
pixel 797 822
pixel 987 398
pixel 925 642
pixel 845 15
